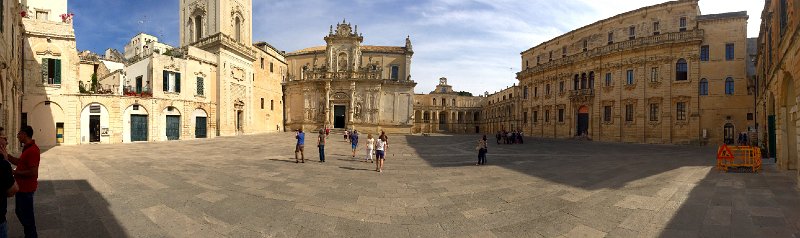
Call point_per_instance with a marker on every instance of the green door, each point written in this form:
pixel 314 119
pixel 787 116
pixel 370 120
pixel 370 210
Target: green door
pixel 771 129
pixel 138 127
pixel 200 127
pixel 173 127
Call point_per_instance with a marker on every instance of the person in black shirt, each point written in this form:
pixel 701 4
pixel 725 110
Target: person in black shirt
pixel 7 183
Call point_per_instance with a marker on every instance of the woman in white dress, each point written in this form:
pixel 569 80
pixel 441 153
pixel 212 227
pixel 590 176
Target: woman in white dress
pixel 370 148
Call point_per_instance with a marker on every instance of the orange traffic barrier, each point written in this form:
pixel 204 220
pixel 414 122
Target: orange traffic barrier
pixel 739 157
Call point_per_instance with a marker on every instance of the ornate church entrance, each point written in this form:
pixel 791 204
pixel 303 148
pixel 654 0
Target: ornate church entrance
pixel 583 121
pixel 339 117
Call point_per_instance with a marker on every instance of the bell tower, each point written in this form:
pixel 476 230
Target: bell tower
pixel 204 18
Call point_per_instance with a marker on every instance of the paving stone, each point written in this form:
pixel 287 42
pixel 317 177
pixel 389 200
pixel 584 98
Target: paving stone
pixel 240 187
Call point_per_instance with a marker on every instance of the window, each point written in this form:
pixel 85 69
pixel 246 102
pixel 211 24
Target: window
pixel 704 53
pixel 563 52
pixel 607 113
pixel 632 33
pixel 198 24
pixel 629 79
pixel 683 24
pixel 51 71
pixel 551 56
pixel 703 87
pixel 272 105
pixel 629 112
pixel 525 117
pixel 729 86
pixel 681 69
pixel 729 51
pixel 535 91
pixel 262 62
pixel 535 117
pixel 172 82
pixel 200 86
pixel 2 14
pixel 454 102
pixel 238 28
pixel 547 90
pixel 608 79
pixel 681 111
pixel 547 116
pixel 749 116
pixel 444 102
pixel 560 115
pixel 271 67
pixel 41 15
pixel 561 87
pixel 585 45
pixel 654 112
pixel 395 72
pixel 526 64
pixel 525 92
pixel 537 60
pixel 434 101
pixel 656 28
pixel 654 74
pixel 262 103
pixel 611 38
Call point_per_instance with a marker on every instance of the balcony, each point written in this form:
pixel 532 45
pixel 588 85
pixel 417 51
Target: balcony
pixel 581 95
pixel 131 91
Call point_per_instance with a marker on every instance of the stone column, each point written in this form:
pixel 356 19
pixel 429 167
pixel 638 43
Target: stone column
pixel 328 114
pixel 350 111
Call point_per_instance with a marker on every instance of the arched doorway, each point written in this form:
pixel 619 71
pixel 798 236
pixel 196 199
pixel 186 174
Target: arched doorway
pixel 728 134
pixel 200 119
pixel 583 121
pixel 442 121
pixel 94 124
pixel 788 122
pixel 136 121
pixel 172 130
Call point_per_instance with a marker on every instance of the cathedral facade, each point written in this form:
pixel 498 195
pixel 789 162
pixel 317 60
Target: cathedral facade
pixel 347 85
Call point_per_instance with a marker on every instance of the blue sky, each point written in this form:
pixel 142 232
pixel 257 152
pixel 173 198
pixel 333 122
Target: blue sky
pixel 474 43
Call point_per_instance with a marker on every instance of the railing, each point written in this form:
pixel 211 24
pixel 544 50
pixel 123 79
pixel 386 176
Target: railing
pixel 581 93
pixel 131 91
pixel 103 89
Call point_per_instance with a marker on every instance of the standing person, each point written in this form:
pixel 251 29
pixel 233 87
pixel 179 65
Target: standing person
pixel 380 153
pixel 354 142
pixel 346 133
pixel 321 145
pixel 498 137
pixel 521 134
pixel 26 174
pixel 327 132
pixel 301 138
pixel 370 148
pixel 7 184
pixel 483 147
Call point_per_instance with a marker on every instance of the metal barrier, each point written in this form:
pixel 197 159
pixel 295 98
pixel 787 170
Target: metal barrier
pixel 748 157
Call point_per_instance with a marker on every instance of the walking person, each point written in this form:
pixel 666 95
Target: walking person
pixel 7 183
pixel 482 147
pixel 346 133
pixel 327 132
pixel 301 138
pixel 354 142
pixel 321 145
pixel 370 148
pixel 380 152
pixel 27 175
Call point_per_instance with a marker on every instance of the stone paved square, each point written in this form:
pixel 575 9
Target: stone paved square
pixel 249 186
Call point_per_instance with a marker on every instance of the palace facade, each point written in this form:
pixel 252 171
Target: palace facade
pixel 445 110
pixel 658 74
pixel 778 71
pixel 11 70
pixel 347 85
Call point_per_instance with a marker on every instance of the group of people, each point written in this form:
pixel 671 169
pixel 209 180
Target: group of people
pixel 509 137
pixel 20 183
pixel 372 147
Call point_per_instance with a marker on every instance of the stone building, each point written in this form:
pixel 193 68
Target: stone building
pixel 11 70
pixel 445 110
pixel 206 88
pixel 345 84
pixel 502 111
pixel 270 67
pixel 658 74
pixel 778 67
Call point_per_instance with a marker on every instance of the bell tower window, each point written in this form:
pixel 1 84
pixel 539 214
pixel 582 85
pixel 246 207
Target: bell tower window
pixel 238 28
pixel 198 24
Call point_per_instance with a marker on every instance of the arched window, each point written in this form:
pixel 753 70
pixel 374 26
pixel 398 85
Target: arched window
pixel 681 70
pixel 198 24
pixel 238 28
pixel 434 101
pixel 454 102
pixel 729 86
pixel 583 81
pixel 190 36
pixel 575 87
pixel 703 88
pixel 591 79
pixel 728 134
